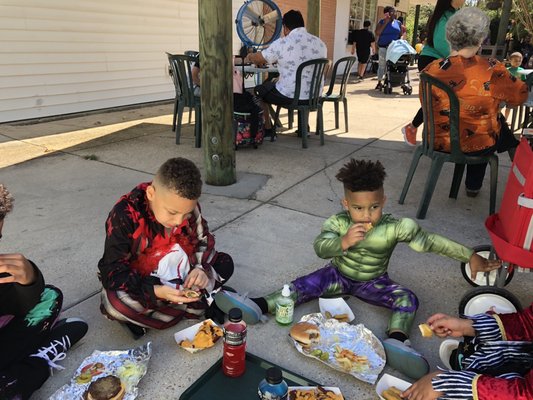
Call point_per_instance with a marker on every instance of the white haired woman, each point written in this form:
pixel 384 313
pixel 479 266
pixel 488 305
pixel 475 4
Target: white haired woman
pixel 481 84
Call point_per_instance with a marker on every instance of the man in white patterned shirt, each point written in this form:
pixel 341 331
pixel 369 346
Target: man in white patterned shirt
pixel 288 52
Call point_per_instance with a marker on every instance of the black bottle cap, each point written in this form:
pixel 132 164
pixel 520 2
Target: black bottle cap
pixel 235 315
pixel 274 375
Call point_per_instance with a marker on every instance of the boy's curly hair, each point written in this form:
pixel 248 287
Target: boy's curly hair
pixel 181 176
pixel 6 202
pixel 362 175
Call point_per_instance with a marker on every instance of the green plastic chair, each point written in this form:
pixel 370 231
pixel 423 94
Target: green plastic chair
pixel 344 64
pixel 180 66
pixel 438 158
pixel 304 107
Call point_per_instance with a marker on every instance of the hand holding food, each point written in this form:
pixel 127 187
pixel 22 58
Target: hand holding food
pixel 444 325
pixel 173 295
pixel 355 234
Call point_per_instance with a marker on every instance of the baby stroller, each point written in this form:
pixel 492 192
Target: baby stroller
pixel 511 232
pixel 399 55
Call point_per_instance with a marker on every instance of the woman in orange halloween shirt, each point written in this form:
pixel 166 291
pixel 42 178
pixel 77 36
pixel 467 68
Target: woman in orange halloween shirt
pixel 480 84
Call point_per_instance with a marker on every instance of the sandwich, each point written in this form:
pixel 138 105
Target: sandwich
pixel 368 226
pixel 107 388
pixel 305 333
pixel 392 393
pixel 425 330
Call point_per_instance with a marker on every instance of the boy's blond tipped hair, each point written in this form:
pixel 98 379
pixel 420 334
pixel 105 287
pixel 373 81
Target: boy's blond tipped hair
pixel 6 202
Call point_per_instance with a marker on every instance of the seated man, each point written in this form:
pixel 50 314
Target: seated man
pixel 296 47
pixel 32 341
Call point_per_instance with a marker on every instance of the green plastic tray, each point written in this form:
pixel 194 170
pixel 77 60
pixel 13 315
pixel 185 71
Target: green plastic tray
pixel 213 384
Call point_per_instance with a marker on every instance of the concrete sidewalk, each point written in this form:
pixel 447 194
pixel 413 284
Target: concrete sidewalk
pixel 67 174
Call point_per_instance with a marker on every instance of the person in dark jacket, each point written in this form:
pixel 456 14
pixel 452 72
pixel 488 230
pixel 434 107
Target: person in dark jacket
pixel 32 341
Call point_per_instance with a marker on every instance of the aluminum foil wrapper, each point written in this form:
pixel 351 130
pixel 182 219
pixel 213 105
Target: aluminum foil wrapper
pixel 128 365
pixel 356 338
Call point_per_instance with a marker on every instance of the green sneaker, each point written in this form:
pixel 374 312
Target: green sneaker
pixel 402 357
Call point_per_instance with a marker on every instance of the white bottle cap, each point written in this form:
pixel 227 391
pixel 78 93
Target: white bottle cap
pixel 286 292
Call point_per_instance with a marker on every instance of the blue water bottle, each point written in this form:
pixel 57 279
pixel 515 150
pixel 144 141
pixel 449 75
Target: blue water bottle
pixel 273 387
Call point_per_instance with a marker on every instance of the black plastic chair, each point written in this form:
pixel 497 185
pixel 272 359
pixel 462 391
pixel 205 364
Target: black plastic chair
pixel 344 66
pixel 180 66
pixel 438 158
pixel 315 69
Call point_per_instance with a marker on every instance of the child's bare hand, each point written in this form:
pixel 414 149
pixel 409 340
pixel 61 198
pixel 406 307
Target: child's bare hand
pixel 480 264
pixel 197 277
pixel 173 295
pixel 422 389
pixel 355 234
pixel 18 267
pixel 444 325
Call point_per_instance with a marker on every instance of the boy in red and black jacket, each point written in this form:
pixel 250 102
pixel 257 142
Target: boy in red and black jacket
pixel 159 263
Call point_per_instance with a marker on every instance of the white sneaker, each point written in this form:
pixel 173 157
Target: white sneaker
pixel 445 351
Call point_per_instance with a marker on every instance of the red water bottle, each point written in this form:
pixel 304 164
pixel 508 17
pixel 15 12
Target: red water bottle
pixel 233 360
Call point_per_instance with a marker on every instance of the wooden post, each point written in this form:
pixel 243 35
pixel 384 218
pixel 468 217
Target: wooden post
pixel 313 17
pixel 216 71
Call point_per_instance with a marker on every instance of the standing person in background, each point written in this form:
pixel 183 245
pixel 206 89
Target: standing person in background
pixel 436 47
pixel 363 40
pixel 388 29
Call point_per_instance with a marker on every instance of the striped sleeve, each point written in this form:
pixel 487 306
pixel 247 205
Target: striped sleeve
pixel 455 384
pixel 486 327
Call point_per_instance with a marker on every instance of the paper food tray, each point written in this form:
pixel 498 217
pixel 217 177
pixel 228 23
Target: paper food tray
pixel 189 333
pixel 386 381
pixel 335 306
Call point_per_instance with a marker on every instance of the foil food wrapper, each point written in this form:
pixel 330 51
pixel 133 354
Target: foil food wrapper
pixel 128 365
pixel 356 338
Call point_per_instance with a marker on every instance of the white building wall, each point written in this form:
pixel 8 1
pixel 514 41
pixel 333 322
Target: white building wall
pixel 63 56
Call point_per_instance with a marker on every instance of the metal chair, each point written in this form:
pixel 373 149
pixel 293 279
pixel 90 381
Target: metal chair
pixel 315 69
pixel 180 66
pixel 345 65
pixel 438 158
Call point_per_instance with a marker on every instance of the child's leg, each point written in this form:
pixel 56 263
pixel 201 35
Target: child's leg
pixel 23 335
pixel 120 306
pixel 326 281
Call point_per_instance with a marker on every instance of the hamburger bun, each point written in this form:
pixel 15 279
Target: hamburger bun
pixel 425 330
pixel 392 393
pixel 107 388
pixel 305 333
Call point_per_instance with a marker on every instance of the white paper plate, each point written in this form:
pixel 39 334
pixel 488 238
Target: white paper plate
pixel 334 389
pixel 335 307
pixel 386 381
pixel 188 334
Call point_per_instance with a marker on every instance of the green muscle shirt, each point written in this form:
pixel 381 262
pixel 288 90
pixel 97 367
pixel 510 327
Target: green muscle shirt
pixel 370 257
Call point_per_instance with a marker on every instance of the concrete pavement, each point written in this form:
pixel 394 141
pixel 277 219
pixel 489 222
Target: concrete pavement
pixel 67 174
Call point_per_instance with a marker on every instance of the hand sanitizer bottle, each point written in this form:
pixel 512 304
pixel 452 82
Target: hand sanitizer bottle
pixel 285 307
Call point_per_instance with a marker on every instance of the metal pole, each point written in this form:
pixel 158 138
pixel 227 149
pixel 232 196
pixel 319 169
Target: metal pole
pixel 217 93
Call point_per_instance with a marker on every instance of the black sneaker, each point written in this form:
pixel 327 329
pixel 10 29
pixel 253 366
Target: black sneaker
pixel 65 334
pixel 136 331
pixel 379 86
pixel 472 192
